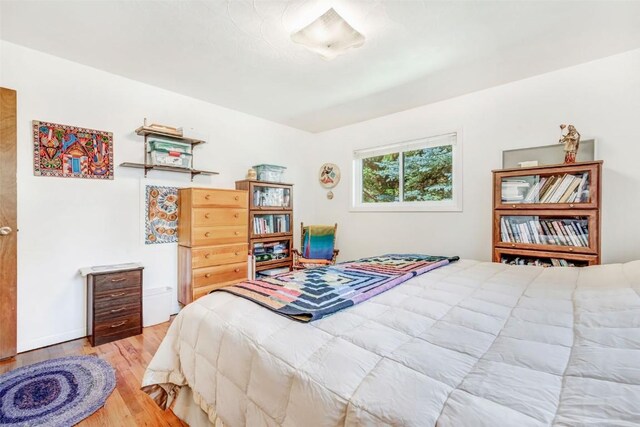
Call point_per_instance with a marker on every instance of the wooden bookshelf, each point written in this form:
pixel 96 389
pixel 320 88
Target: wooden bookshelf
pixel 548 214
pixel 269 202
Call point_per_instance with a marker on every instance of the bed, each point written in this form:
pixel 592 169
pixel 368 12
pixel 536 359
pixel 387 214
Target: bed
pixel 468 344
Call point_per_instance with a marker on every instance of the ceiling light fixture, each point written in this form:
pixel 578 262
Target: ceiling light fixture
pixel 329 35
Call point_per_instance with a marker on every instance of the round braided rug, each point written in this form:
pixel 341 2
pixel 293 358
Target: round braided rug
pixel 56 392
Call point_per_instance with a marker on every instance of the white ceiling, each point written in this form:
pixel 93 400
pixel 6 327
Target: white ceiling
pixel 237 53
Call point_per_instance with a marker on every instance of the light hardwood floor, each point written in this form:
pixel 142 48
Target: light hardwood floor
pixel 127 405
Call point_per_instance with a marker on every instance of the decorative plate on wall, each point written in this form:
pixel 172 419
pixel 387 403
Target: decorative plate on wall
pixel 329 177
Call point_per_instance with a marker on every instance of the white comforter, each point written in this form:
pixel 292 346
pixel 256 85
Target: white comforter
pixel 469 344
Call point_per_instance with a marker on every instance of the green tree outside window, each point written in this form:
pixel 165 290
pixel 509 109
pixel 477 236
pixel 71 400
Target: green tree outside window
pixel 427 175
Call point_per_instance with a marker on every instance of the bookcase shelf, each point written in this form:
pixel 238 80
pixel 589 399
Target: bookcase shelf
pixel 523 257
pixel 572 186
pixel 547 214
pixel 270 223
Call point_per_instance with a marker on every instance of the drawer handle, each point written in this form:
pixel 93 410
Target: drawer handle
pixel 571 205
pixel 207 234
pixel 207 197
pixel 122 279
pixel 115 325
pixel 236 198
pixel 570 249
pixel 513 206
pixel 117 310
pixel 236 233
pixel 207 275
pixel 207 215
pixel 237 270
pixel 119 294
pixel 237 215
pixel 207 255
pixel 237 253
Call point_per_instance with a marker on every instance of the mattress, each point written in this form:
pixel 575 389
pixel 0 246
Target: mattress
pixel 469 344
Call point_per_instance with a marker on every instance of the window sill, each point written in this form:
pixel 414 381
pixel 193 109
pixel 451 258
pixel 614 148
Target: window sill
pixel 444 207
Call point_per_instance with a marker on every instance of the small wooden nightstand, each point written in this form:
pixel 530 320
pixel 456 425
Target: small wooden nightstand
pixel 114 302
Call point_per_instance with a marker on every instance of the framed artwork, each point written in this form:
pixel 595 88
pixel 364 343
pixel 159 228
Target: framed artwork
pixel 161 214
pixel 72 152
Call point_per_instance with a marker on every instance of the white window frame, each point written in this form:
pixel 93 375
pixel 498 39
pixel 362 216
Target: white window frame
pixel 454 205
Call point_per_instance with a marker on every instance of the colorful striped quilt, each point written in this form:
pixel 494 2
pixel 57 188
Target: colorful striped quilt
pixel 308 295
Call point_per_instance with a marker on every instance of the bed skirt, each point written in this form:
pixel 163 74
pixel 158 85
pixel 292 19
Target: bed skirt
pixel 188 410
pixel 185 403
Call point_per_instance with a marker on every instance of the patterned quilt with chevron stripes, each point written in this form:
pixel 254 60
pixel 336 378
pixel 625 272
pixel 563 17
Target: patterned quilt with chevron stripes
pixel 312 294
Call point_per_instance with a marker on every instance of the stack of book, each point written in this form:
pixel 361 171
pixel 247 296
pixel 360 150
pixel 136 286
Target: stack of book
pixel 562 232
pixel 513 190
pixel 555 262
pixel 269 251
pixel 266 224
pixel 567 188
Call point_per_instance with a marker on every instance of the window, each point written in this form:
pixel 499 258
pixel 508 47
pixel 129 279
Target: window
pixel 422 175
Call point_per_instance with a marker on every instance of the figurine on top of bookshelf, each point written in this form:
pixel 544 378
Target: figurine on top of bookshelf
pixel 571 140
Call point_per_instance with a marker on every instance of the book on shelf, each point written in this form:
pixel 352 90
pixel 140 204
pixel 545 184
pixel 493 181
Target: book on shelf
pixel 567 188
pixel 558 190
pixel 532 195
pixel 560 232
pixel 582 194
pixel 267 224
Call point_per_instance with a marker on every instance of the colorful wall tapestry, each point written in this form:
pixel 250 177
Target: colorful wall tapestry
pixel 161 215
pixel 68 151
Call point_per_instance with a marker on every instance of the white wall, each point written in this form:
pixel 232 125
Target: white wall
pixel 68 223
pixel 601 98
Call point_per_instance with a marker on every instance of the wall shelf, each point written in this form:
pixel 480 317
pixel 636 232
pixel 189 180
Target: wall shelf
pixel 147 168
pixel 146 131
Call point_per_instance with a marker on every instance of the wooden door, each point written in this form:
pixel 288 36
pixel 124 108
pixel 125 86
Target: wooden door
pixel 8 223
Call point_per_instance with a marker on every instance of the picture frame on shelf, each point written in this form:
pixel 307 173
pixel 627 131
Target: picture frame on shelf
pixel 546 155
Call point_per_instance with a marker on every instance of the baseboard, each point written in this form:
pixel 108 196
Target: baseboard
pixel 51 340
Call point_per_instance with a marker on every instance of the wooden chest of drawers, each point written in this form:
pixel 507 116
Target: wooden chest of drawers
pixel 114 305
pixel 212 240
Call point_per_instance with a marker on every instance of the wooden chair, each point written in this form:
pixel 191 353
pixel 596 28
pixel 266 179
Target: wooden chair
pixel 317 247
